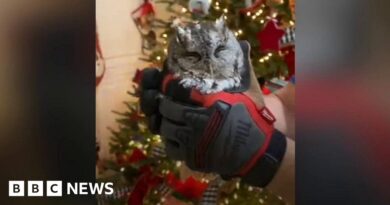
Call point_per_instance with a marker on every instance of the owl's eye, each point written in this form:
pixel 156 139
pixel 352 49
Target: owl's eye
pixel 218 50
pixel 193 56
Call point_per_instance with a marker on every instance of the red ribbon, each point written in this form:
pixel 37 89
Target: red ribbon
pixel 190 188
pixel 146 182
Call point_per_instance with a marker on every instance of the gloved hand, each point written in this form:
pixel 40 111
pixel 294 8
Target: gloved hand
pixel 230 133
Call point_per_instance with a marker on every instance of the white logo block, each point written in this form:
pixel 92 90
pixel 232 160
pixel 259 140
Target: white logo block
pixel 16 188
pixel 54 188
pixel 34 188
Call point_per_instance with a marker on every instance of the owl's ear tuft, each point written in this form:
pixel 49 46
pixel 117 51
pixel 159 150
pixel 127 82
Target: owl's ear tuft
pixel 220 23
pixel 182 34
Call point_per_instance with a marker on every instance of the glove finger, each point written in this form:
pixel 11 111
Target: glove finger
pixel 151 79
pixel 177 112
pixel 154 123
pixel 176 139
pixel 149 102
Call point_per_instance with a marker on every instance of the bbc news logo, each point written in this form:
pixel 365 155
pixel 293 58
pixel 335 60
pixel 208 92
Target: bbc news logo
pixel 55 189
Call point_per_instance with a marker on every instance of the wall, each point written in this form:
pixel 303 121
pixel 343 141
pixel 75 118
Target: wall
pixel 120 43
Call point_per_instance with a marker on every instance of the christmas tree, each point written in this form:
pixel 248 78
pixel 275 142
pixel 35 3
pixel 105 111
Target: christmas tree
pixel 141 171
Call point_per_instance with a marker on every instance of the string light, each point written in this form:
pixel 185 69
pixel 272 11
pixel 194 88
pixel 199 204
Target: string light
pixel 225 10
pixel 158 58
pixel 240 31
pixel 248 13
pixel 225 17
pixel 164 35
pixel 250 188
pixel 262 21
pixel 261 201
pixel 254 17
pixel 165 50
pixel 274 15
pixel 131 142
pixel 226 201
pixel 122 169
pixel 238 185
pixel 269 54
pixel 183 10
pixel 292 23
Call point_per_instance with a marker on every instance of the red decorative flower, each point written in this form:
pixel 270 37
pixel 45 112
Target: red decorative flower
pixel 190 188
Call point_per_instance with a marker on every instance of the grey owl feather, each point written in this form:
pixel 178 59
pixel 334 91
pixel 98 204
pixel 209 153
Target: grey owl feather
pixel 206 56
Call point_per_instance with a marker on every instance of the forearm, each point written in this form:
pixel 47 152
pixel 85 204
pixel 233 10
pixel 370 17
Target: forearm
pixel 282 106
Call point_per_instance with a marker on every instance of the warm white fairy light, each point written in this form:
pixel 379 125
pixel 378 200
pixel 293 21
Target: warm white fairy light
pixel 158 58
pixel 261 60
pixel 250 188
pixel 269 54
pixel 226 201
pixel 225 17
pixel 240 31
pixel 165 50
pixel 254 17
pixel 238 185
pixel 235 196
pixel 225 10
pixel 178 163
pixel 236 33
pixel 274 15
pixel 262 21
pixel 183 10
pixel 131 142
pixel 292 23
pixel 248 13
pixel 122 169
pixel 261 201
pixel 164 35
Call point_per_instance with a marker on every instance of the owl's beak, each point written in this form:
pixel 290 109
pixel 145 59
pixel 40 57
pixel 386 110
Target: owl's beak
pixel 211 71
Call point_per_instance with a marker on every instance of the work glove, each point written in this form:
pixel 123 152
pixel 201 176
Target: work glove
pixel 230 133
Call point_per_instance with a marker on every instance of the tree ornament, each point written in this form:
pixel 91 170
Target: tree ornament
pixel 270 36
pixel 289 58
pixel 288 38
pixel 143 18
pixel 199 8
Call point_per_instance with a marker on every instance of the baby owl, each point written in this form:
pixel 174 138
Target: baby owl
pixel 206 56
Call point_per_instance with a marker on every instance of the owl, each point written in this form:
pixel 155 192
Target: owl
pixel 206 56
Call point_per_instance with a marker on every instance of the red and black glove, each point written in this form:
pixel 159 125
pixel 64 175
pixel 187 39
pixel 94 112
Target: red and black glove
pixel 225 132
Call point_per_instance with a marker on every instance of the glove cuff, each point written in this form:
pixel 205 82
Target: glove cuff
pixel 264 170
